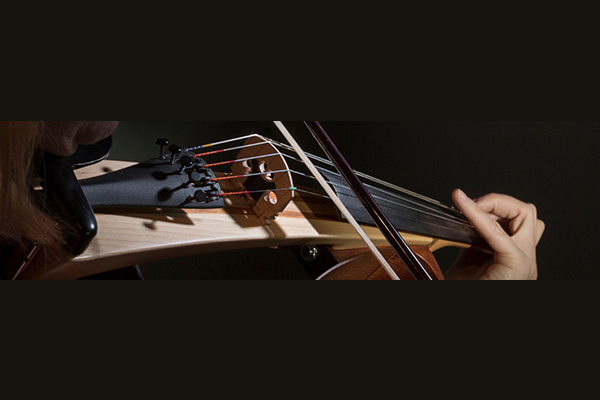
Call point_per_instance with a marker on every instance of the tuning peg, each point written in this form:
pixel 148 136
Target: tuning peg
pixel 195 177
pixel 162 143
pixel 200 196
pixel 186 161
pixel 175 150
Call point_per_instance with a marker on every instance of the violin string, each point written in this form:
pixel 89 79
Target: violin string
pixel 314 157
pixel 295 189
pixel 224 178
pixel 251 191
pixel 432 212
pixel 313 193
pixel 224 194
pixel 269 173
pixel 365 176
pixel 420 207
pixel 228 149
pixel 380 199
pixel 247 146
pixel 219 143
pixel 325 185
pixel 238 160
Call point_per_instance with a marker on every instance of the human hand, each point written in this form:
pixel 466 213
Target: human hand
pixel 514 255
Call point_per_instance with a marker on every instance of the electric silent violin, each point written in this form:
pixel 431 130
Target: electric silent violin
pixel 239 193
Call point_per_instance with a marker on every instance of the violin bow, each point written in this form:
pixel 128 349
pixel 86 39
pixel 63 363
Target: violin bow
pixel 382 221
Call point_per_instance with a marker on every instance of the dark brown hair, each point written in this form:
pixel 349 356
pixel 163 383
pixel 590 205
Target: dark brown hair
pixel 20 217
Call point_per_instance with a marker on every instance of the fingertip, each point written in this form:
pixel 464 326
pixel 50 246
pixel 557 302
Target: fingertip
pixel 460 194
pixel 541 226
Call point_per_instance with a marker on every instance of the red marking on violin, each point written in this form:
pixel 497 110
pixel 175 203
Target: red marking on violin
pixel 250 192
pixel 226 177
pixel 246 176
pixel 232 193
pixel 209 153
pixel 219 163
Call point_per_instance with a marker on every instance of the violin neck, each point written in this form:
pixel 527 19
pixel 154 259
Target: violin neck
pixel 412 213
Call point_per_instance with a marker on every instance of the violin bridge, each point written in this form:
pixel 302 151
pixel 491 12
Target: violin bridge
pixel 270 178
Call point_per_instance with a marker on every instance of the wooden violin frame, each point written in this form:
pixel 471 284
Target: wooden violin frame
pixel 275 218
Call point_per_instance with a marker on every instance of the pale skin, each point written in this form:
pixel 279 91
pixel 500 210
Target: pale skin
pixel 63 137
pixel 514 247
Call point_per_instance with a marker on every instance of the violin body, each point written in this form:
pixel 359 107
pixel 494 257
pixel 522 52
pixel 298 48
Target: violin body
pixel 133 236
pixel 130 234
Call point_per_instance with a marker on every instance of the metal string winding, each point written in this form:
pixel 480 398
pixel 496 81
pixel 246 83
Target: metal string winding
pixel 418 207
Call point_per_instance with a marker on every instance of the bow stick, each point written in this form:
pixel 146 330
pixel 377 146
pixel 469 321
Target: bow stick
pixel 381 220
pixel 331 193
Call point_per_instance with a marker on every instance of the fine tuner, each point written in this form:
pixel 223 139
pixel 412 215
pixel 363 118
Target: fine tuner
pixel 183 179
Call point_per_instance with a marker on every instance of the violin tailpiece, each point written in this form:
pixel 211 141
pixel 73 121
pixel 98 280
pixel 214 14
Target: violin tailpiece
pixel 156 183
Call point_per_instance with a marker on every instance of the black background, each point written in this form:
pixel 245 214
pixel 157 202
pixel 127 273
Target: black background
pixel 548 163
pixel 483 81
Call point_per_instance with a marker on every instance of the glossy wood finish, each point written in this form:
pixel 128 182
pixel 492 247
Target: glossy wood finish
pixel 359 264
pixel 133 236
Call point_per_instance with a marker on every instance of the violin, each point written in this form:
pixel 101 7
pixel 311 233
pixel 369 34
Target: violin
pixel 244 192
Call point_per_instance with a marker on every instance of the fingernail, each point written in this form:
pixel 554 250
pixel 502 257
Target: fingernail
pixel 462 195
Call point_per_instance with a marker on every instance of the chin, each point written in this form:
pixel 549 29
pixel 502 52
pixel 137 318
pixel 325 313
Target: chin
pixel 94 131
pixel 63 137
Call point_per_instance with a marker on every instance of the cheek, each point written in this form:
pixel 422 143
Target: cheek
pixel 63 137
pixel 93 131
pixel 60 137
